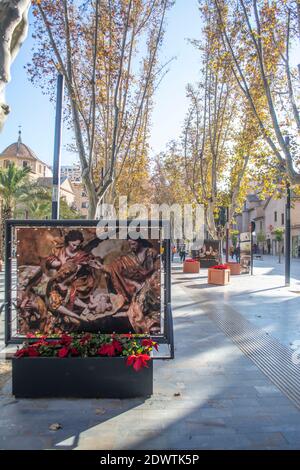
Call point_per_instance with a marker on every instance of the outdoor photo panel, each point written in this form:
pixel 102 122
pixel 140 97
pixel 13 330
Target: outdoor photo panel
pixel 245 252
pixel 69 280
pixel 209 254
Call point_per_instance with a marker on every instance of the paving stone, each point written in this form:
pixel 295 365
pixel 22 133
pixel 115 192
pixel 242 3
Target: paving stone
pixel 25 443
pixel 215 413
pixel 217 442
pixel 97 442
pixel 199 428
pixel 292 437
pixel 283 428
pixel 271 440
pixel 275 401
pixel 290 418
pixel 267 390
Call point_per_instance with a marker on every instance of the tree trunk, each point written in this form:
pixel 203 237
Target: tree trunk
pixel 90 188
pixel 13 31
pixel 92 206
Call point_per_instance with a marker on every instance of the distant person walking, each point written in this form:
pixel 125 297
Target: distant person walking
pixel 182 254
pixel 173 252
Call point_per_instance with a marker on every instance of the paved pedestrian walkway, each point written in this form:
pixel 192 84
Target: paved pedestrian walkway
pixel 262 299
pixel 210 397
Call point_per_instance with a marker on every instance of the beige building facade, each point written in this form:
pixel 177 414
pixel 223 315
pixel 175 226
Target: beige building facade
pixel 66 189
pixel 71 187
pixel 81 200
pixel 269 215
pixel 23 156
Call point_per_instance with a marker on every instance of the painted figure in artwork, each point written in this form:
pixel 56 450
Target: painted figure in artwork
pixel 70 250
pixel 78 284
pixel 135 276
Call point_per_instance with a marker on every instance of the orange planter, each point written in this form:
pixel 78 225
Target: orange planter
pixel 219 277
pixel 191 268
pixel 235 268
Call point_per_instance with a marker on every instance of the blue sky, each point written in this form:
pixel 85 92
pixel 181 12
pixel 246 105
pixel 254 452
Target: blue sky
pixel 33 111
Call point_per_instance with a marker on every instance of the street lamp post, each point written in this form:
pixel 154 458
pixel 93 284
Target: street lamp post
pixel 252 233
pixel 57 147
pixel 288 235
pixel 227 234
pixel 288 229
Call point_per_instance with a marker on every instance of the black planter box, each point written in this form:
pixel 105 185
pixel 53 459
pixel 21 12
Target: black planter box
pixel 92 377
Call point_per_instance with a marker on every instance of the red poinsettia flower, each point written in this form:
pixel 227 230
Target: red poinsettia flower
pixel 117 345
pixel 21 352
pixel 74 352
pixel 107 349
pixel 40 343
pixel 110 349
pixel 63 352
pixel 127 335
pixel 220 266
pixel 138 361
pixel 33 352
pixel 66 339
pixel 148 343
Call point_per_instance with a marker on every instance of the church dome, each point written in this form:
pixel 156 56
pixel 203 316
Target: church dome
pixel 18 149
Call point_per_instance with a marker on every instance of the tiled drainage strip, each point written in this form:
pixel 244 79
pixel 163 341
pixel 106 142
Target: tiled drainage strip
pixel 270 356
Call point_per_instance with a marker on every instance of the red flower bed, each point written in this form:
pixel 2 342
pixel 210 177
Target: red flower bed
pixel 190 260
pixel 136 349
pixel 138 361
pixel 220 266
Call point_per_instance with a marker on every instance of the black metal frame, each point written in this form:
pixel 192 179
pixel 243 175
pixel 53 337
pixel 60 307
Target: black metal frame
pixel 166 338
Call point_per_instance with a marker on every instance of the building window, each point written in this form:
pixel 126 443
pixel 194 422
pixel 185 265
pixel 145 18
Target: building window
pixel 84 205
pixel 40 169
pixel 260 226
pixel 25 164
pixel 282 219
pixel 6 163
pixel 275 216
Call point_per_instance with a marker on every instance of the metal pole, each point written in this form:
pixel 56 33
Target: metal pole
pixel 227 234
pixel 57 147
pixel 251 253
pixel 7 282
pixel 168 269
pixel 288 235
pixel 288 228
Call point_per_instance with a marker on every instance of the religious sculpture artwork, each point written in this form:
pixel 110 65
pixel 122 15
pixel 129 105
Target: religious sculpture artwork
pixel 70 280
